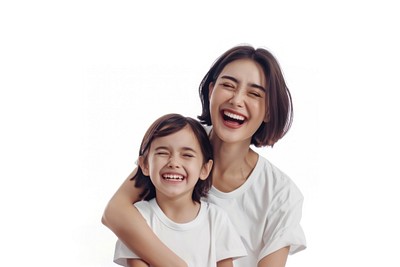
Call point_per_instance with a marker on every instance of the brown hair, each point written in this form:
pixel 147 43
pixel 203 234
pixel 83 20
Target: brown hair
pixel 164 126
pixel 278 100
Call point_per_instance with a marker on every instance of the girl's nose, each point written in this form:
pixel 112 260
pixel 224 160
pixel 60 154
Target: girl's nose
pixel 173 162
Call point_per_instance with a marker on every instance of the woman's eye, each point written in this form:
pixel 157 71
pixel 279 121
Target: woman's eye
pixel 256 94
pixel 188 155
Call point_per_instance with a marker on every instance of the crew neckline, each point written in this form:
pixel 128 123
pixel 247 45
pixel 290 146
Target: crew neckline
pixel 214 191
pixel 178 226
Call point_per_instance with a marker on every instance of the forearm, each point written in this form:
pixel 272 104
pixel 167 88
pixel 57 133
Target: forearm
pixel 138 237
pixel 121 217
pixel 136 263
pixel 275 259
pixel 225 263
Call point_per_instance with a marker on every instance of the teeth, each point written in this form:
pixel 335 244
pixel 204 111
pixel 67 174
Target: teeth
pixel 234 116
pixel 173 177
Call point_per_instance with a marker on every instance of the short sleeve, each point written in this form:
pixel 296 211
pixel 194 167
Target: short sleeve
pixel 122 253
pixel 283 221
pixel 228 241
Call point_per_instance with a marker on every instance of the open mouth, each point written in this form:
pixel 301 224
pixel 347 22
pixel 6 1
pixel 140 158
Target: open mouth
pixel 173 177
pixel 233 117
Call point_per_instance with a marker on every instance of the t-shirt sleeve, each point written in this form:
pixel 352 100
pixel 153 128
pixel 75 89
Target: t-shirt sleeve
pixel 122 253
pixel 283 221
pixel 228 242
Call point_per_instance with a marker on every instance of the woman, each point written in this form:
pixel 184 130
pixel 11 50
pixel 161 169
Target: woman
pixel 245 101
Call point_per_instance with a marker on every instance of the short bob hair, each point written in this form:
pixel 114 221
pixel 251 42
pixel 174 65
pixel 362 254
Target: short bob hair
pixel 164 126
pixel 278 101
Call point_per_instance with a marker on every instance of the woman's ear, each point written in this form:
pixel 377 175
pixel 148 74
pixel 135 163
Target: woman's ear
pixel 143 165
pixel 206 169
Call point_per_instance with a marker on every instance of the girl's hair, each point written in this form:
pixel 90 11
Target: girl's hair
pixel 164 126
pixel 278 100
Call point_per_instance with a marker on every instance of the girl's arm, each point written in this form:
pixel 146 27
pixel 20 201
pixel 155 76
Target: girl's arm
pixel 275 259
pixel 121 217
pixel 225 263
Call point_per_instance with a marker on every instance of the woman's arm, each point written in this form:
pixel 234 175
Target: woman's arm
pixel 275 259
pixel 136 263
pixel 121 217
pixel 225 263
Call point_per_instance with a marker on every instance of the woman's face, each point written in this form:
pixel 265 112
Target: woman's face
pixel 237 101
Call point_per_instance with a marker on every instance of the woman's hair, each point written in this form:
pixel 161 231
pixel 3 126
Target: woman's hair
pixel 279 107
pixel 164 126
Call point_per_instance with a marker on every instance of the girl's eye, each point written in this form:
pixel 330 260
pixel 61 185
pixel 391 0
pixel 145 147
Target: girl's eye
pixel 161 153
pixel 188 155
pixel 228 85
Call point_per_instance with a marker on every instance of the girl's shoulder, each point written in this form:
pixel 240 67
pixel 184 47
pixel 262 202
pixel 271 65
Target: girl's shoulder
pixel 147 207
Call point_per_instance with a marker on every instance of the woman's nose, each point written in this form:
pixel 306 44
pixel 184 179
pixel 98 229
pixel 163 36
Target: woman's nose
pixel 237 99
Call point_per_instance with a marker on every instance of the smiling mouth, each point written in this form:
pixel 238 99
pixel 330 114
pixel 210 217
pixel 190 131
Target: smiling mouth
pixel 232 117
pixel 172 177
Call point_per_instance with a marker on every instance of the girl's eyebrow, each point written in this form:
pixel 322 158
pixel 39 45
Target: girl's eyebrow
pixel 237 81
pixel 186 148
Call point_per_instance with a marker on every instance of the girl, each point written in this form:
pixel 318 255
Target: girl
pixel 245 102
pixel 175 160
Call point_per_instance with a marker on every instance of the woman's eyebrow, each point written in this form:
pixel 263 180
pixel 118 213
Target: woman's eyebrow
pixel 254 85
pixel 161 148
pixel 230 78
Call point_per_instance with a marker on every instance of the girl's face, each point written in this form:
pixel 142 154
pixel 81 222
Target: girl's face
pixel 237 101
pixel 174 164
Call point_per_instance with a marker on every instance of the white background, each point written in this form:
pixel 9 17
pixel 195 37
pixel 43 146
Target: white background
pixel 81 81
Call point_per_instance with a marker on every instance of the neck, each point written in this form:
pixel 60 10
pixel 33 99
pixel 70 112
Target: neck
pixel 178 210
pixel 233 163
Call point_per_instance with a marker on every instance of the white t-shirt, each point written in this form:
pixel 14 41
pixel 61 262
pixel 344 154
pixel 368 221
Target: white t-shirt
pixel 209 238
pixel 266 211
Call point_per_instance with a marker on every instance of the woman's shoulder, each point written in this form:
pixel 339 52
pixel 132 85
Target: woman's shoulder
pixel 270 170
pixel 273 177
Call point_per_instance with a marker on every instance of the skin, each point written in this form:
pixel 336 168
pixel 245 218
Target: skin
pixel 238 92
pixel 136 263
